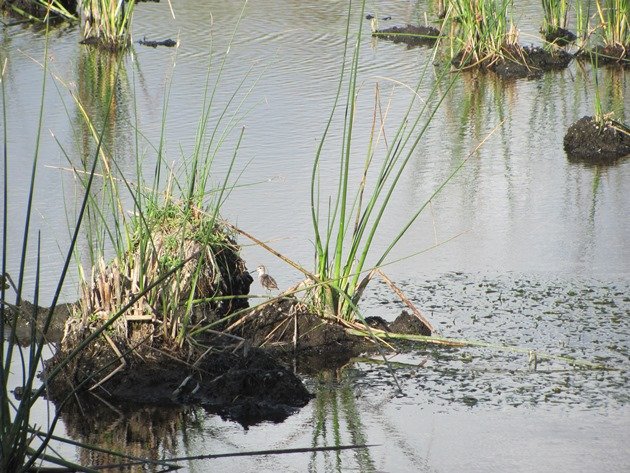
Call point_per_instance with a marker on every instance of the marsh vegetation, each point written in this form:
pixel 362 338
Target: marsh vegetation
pixel 397 169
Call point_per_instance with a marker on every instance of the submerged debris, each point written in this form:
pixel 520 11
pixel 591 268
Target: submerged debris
pixel 410 35
pixel 169 43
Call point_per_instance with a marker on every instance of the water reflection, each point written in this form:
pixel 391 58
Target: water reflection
pixel 103 99
pixel 140 433
pixel 337 421
pixel 102 131
pixel 518 205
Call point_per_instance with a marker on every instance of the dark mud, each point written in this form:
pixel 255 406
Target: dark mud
pixel 560 37
pixel 587 141
pixel 241 382
pixel 536 62
pixel 608 55
pixel 519 62
pixel 409 35
pixel 247 386
pixel 288 330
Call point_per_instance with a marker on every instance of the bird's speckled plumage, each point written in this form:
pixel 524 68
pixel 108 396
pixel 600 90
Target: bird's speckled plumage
pixel 266 281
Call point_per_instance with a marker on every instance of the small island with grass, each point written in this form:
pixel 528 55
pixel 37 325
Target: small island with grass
pixel 163 314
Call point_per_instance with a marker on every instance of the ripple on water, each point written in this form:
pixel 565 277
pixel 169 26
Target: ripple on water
pixel 587 319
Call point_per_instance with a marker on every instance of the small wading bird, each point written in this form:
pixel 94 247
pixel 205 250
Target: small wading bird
pixel 266 281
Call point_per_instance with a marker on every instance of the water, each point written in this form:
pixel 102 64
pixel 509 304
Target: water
pixel 532 249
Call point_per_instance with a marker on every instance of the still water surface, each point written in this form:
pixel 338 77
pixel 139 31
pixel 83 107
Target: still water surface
pixel 533 250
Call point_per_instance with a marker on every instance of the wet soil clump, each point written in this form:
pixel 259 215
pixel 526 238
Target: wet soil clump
pixel 141 348
pixel 289 330
pixel 518 62
pixel 410 35
pixel 560 36
pixel 609 55
pixel 589 141
pixel 247 386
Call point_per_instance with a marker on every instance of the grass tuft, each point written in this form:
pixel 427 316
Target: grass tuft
pixel 107 23
pixel 614 17
pixel 483 31
pixel 346 224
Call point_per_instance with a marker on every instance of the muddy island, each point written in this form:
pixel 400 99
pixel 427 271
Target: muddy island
pixel 595 141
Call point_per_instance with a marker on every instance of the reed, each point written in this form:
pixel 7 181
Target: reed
pixel 598 111
pixel 107 23
pixel 483 30
pixel 555 14
pixel 614 17
pixel 41 11
pixel 346 224
pixel 23 446
pixel 174 219
pixel 582 23
pixel 164 251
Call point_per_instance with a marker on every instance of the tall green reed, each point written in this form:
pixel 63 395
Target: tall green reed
pixel 582 23
pixel 153 204
pixel 555 14
pixel 483 30
pixel 108 22
pixel 24 445
pixel 614 16
pixel 346 224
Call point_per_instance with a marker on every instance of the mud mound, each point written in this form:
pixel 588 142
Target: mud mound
pixel 609 55
pixel 518 62
pixel 247 387
pixel 287 329
pixel 560 36
pixel 286 326
pixel 408 324
pixel 587 141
